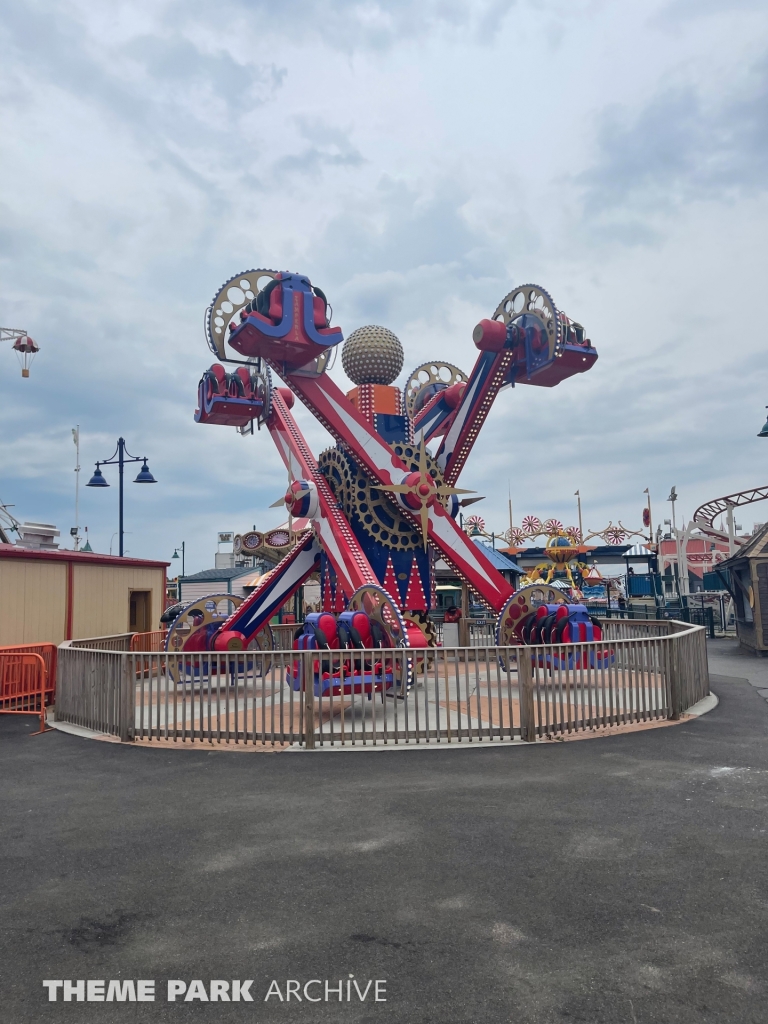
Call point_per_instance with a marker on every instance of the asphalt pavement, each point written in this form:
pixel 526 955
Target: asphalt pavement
pixel 613 880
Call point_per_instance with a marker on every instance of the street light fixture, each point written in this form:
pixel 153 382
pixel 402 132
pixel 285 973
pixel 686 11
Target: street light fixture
pixel 176 555
pixel 121 457
pixel 764 431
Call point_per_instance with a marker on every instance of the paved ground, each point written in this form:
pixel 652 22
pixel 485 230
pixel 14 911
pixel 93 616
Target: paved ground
pixel 614 880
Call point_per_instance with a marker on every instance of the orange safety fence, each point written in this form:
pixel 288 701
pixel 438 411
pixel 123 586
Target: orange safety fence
pixel 154 641
pixel 48 653
pixel 24 685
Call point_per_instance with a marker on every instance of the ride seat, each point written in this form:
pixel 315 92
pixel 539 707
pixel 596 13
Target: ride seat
pixel 546 627
pixel 267 306
pixel 354 630
pixel 319 312
pixel 379 637
pixel 322 628
pixel 217 376
pixel 534 631
pixel 524 629
pixel 245 379
pixel 578 627
pixel 276 305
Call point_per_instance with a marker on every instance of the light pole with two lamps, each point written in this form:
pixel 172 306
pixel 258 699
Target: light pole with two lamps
pixel 120 458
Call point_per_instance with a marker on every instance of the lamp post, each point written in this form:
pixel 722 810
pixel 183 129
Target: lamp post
pixel 176 555
pixel 682 584
pixel 76 532
pixel 121 457
pixel 673 498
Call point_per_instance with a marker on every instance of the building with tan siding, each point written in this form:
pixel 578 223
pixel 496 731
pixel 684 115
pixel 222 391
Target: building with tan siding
pixel 47 596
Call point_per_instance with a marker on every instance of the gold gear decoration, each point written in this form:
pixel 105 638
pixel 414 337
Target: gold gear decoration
pixel 424 493
pixel 233 295
pixel 424 623
pixel 521 604
pixel 359 496
pixel 427 374
pixel 264 642
pixel 197 615
pixel 531 299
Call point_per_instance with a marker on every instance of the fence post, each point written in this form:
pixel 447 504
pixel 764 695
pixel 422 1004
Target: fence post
pixel 127 698
pixel 308 693
pixel 674 678
pixel 62 688
pixel 704 666
pixel 525 686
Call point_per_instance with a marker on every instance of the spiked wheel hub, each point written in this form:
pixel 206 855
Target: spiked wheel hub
pixel 422 491
pixel 418 491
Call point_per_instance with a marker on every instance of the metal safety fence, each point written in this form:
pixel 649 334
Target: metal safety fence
pixel 25 688
pixel 48 653
pixel 153 641
pixel 639 672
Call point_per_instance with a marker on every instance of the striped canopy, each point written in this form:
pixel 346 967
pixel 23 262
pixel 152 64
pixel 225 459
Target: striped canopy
pixel 638 551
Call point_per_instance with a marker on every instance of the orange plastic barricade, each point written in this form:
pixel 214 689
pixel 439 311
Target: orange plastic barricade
pixel 23 685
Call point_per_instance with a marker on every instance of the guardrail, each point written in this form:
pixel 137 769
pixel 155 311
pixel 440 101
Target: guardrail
pixel 155 640
pixel 283 635
pixel 24 685
pixel 480 632
pixel 115 642
pixel 639 671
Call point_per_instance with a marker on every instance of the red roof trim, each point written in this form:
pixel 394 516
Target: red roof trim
pixel 77 557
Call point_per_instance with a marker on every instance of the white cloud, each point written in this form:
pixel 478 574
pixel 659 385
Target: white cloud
pixel 416 162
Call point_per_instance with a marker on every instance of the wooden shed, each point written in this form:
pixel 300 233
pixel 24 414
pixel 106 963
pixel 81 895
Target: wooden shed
pixel 50 596
pixel 748 585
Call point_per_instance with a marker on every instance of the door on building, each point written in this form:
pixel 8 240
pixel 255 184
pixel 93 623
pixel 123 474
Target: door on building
pixel 139 616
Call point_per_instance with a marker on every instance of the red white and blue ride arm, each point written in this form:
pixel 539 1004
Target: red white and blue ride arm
pixel 334 410
pixel 277 588
pixel 542 350
pixel 328 521
pixel 477 397
pixel 285 341
pixel 436 416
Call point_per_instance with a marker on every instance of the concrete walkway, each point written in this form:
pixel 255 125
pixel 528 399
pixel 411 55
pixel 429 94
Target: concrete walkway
pixel 727 658
pixel 616 880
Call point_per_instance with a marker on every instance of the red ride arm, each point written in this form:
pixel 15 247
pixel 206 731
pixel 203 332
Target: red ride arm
pixel 330 524
pixel 334 410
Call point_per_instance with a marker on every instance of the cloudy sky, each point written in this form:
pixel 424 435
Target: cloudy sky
pixel 416 160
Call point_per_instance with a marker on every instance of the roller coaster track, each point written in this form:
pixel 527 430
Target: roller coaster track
pixel 705 515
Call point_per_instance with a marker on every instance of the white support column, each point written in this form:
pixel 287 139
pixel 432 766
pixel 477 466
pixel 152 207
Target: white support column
pixel 731 532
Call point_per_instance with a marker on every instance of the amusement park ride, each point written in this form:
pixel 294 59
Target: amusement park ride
pixel 382 505
pixel 565 547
